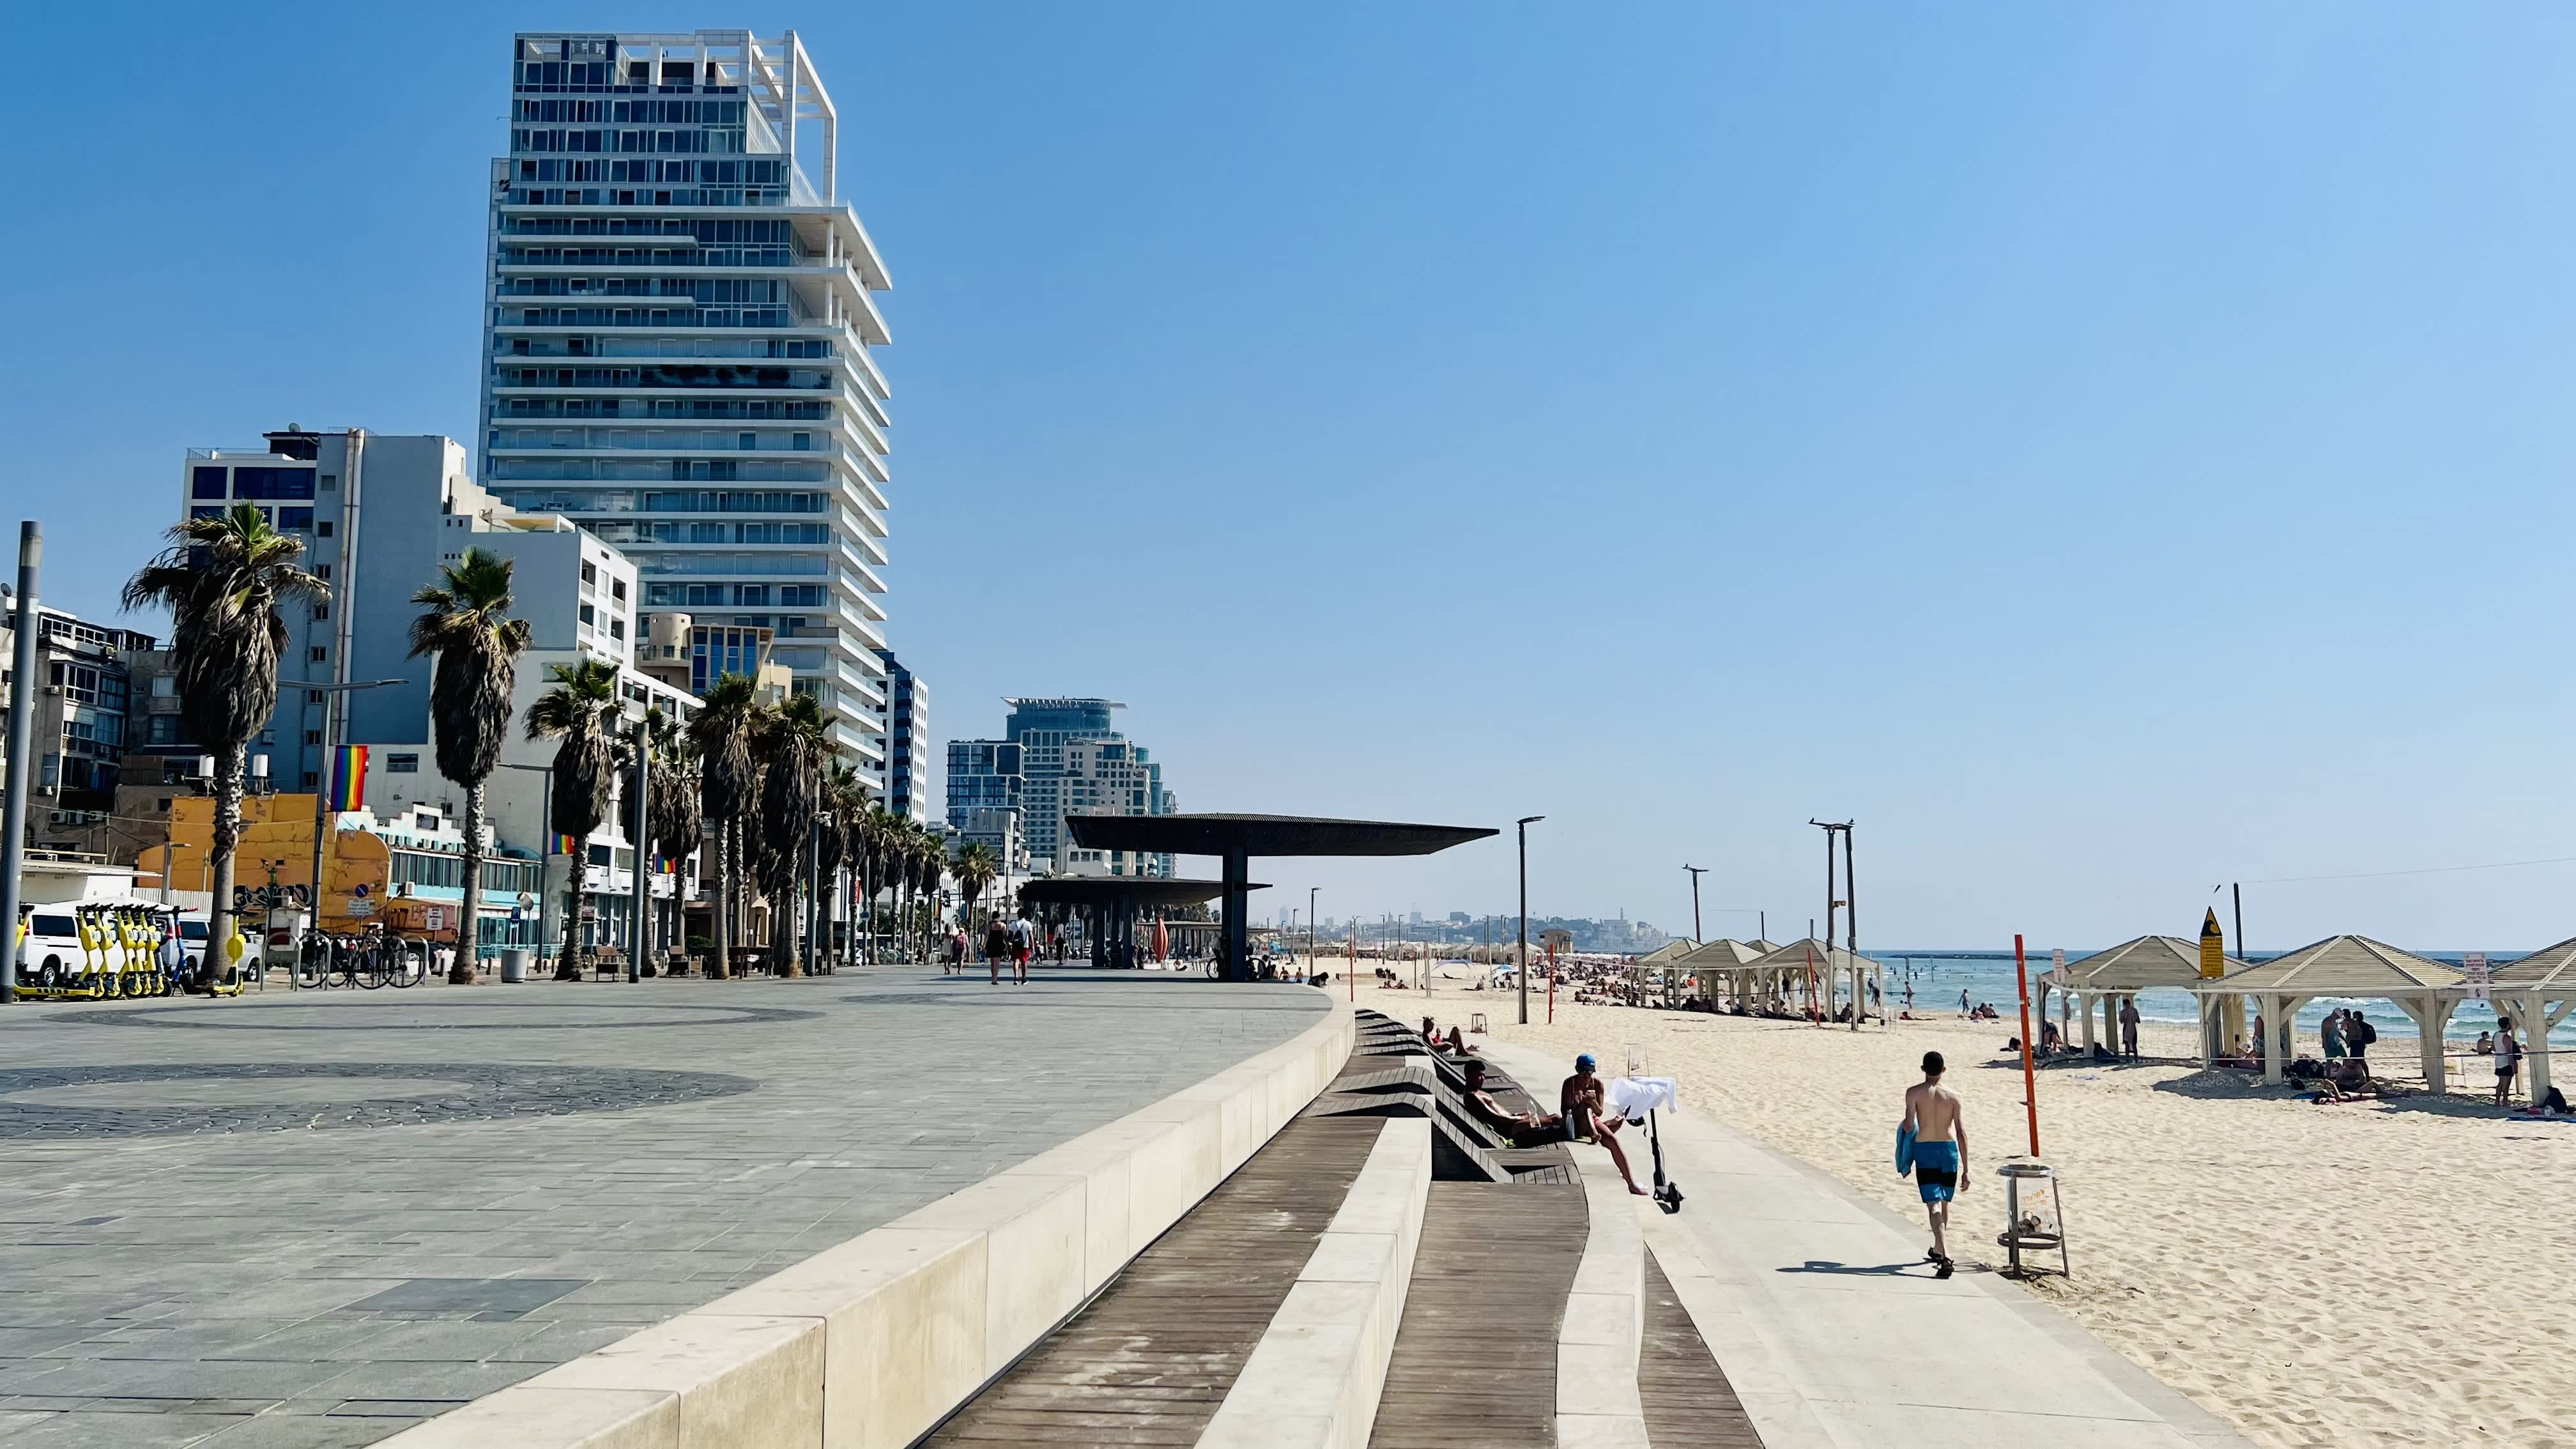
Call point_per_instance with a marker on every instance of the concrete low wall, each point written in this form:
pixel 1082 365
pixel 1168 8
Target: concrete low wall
pixel 869 1344
pixel 1314 1379
pixel 1597 1345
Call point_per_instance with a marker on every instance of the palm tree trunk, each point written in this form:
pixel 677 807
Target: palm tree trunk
pixel 469 920
pixel 570 967
pixel 782 935
pixel 219 916
pixel 721 903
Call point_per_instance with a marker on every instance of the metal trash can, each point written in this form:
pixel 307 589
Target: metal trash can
pixel 514 964
pixel 2041 1227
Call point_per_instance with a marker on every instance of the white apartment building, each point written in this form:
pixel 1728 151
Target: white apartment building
pixel 677 351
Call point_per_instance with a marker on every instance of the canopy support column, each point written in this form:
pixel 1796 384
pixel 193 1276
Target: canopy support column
pixel 2085 1010
pixel 2535 1045
pixel 2274 1007
pixel 1238 916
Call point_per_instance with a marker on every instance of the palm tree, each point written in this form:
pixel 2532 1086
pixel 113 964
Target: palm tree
pixel 845 803
pixel 222 580
pixel 721 734
pixel 674 809
pixel 466 622
pixel 929 858
pixel 975 868
pixel 580 709
pixel 792 742
pixel 873 844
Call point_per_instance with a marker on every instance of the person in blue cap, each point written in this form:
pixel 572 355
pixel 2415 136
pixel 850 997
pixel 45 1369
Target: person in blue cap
pixel 1586 1120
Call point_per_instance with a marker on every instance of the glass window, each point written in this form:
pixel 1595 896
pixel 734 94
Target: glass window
pixel 205 513
pixel 401 765
pixel 206 483
pixel 295 520
pixel 272 482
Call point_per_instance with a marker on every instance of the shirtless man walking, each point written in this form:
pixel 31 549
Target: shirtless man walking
pixel 1934 1115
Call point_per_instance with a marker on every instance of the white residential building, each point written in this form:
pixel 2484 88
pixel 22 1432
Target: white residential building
pixel 677 349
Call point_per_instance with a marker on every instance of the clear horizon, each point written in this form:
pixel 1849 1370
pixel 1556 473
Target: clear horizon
pixel 2106 453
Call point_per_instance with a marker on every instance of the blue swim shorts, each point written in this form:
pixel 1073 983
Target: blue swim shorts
pixel 1936 1170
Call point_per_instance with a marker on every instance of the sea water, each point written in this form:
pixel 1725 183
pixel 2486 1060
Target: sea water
pixel 1988 978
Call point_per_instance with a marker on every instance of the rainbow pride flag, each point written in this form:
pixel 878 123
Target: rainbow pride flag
pixel 349 778
pixel 565 845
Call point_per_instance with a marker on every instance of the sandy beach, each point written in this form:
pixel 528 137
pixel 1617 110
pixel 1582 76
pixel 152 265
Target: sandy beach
pixel 2354 1275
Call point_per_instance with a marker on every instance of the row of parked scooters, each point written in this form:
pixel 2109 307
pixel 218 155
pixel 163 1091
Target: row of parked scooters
pixel 98 950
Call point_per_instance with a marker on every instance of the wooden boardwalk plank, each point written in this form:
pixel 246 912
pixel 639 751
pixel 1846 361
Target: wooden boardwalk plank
pixel 1475 1358
pixel 1689 1403
pixel 1150 1359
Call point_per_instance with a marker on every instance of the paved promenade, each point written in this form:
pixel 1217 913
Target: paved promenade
pixel 310 1219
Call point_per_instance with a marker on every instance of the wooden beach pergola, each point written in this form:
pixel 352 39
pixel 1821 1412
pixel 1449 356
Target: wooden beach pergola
pixel 2545 983
pixel 2107 978
pixel 2426 990
pixel 1827 971
pixel 1721 959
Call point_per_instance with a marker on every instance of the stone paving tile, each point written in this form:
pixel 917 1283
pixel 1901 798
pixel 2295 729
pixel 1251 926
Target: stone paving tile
pixel 181 1276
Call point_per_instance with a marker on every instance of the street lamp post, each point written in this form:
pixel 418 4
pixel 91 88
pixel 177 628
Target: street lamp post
pixel 1695 873
pixel 1523 824
pixel 545 841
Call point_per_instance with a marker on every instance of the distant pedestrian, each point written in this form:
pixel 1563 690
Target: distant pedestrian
pixel 2358 1034
pixel 2331 1034
pixel 2129 1026
pixel 997 944
pixel 1963 1001
pixel 1024 939
pixel 956 962
pixel 2508 1058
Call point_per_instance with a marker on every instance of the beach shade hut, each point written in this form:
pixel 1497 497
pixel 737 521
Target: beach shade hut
pixel 2544 984
pixel 2426 990
pixel 2107 978
pixel 1720 963
pixel 1812 973
pixel 1672 950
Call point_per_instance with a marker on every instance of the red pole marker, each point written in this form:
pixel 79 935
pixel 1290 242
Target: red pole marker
pixel 2029 1074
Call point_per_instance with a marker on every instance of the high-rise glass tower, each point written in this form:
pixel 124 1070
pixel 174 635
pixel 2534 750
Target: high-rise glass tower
pixel 677 356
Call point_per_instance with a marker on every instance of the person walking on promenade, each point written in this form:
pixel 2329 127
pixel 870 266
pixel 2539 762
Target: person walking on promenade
pixel 2129 1027
pixel 997 944
pixel 1936 1124
pixel 1024 939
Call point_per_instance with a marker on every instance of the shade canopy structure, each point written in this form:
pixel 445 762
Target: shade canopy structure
pixel 1145 892
pixel 2107 978
pixel 1808 978
pixel 1670 951
pixel 2424 989
pixel 1720 953
pixel 1238 838
pixel 2544 982
pixel 1114 903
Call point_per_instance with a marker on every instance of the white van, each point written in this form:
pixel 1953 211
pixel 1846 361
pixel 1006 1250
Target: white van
pixel 53 950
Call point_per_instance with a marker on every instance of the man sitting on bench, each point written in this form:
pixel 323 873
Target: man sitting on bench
pixel 1588 1120
pixel 1521 1129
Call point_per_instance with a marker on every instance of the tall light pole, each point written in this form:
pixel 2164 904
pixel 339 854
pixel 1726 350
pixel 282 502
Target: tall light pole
pixel 1522 826
pixel 22 759
pixel 1695 873
pixel 1312 961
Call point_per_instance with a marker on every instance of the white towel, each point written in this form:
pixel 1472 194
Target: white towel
pixel 1633 1097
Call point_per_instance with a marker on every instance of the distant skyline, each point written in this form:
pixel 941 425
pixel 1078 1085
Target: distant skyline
pixel 2106 452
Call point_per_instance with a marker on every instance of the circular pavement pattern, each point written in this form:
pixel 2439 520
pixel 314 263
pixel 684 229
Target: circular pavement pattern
pixel 172 1099
pixel 421 1016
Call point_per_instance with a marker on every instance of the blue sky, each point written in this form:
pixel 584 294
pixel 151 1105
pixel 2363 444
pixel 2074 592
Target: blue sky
pixel 2107 451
